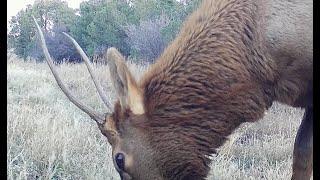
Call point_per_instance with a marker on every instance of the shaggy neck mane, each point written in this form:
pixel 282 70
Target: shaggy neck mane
pixel 202 87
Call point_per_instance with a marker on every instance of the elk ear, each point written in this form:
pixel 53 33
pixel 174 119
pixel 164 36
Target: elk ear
pixel 128 92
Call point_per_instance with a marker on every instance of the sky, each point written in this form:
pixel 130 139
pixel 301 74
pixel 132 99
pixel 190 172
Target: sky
pixel 14 6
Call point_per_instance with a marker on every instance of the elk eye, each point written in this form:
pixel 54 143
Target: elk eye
pixel 120 161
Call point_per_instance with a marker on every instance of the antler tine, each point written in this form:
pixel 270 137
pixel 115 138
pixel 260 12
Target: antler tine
pixel 90 69
pixel 99 118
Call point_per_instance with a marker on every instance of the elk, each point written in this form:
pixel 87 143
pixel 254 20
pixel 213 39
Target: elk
pixel 230 61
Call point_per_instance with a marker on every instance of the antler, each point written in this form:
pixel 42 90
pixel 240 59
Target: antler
pixel 90 69
pixel 99 118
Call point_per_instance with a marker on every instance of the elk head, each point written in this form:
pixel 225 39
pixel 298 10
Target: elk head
pixel 131 154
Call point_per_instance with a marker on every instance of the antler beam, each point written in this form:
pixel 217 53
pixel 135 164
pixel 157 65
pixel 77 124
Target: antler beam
pixel 99 118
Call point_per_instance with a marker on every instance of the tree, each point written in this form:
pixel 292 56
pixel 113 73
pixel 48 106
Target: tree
pixel 50 13
pixel 59 46
pixel 146 39
pixel 100 25
pixel 140 28
pixel 21 36
pixel 159 22
pixel 53 13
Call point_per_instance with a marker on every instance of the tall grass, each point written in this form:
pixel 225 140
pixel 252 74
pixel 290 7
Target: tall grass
pixel 50 138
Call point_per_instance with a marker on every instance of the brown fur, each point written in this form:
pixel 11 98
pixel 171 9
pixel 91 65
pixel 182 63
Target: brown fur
pixel 220 71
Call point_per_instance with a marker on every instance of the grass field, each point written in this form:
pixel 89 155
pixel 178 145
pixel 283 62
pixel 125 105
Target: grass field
pixel 50 138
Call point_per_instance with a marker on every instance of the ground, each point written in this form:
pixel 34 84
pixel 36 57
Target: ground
pixel 50 138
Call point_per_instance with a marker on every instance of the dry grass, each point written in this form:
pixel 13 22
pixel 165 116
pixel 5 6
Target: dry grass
pixel 50 138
